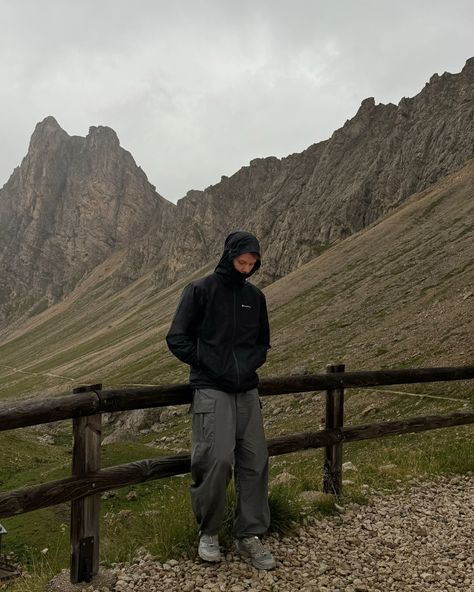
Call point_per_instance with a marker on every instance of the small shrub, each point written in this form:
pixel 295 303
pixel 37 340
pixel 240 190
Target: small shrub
pixel 285 509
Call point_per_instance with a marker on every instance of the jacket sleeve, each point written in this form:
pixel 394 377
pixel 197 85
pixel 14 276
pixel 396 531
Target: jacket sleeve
pixel 182 335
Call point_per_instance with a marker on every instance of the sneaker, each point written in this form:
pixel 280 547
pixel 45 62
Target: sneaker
pixel 260 556
pixel 208 549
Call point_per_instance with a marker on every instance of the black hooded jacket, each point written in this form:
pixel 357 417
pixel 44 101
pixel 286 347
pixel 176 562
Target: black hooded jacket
pixel 220 327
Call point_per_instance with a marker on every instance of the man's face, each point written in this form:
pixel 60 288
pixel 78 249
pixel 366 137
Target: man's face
pixel 245 263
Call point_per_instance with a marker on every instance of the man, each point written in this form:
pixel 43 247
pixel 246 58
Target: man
pixel 221 330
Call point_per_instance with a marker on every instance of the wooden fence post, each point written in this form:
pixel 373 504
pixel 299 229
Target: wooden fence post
pixel 85 511
pixel 332 482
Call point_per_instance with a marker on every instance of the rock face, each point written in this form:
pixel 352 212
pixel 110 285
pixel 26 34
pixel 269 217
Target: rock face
pixel 299 204
pixel 75 201
pixel 71 203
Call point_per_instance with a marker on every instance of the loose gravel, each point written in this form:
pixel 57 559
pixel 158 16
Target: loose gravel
pixel 416 540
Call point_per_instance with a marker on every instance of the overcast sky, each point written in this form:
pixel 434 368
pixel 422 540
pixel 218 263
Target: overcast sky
pixel 197 88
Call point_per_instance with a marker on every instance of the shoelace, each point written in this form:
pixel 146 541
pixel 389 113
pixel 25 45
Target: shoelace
pixel 256 546
pixel 212 541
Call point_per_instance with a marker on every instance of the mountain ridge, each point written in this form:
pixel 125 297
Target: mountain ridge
pixel 299 204
pixel 397 294
pixel 75 201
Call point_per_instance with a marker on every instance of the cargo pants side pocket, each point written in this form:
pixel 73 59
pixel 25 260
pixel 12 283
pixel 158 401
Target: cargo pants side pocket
pixel 204 419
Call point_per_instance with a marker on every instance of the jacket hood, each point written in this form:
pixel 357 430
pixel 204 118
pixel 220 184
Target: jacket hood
pixel 235 244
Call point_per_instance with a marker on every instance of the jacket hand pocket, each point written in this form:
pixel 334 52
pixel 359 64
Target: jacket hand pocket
pixel 261 355
pixel 254 359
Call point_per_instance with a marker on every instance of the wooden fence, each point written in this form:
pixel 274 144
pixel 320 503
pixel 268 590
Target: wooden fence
pixel 86 405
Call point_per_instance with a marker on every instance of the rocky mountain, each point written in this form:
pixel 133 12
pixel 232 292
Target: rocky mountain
pixel 300 204
pixel 75 202
pixel 399 293
pixel 71 203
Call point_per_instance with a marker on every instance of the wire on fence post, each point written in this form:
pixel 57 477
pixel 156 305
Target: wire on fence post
pixel 332 481
pixel 85 511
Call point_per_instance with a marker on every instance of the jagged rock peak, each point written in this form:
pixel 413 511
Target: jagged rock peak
pixel 47 139
pixel 103 133
pixel 366 109
pixel 469 66
pixel 48 123
pixel 468 70
pixel 46 128
pixel 368 103
pixel 193 193
pixel 267 160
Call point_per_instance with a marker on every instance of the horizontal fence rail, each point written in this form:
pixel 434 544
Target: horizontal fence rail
pixel 35 412
pixel 87 404
pixel 36 497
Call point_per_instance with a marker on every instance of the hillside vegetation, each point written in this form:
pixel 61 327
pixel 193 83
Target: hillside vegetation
pixel 398 294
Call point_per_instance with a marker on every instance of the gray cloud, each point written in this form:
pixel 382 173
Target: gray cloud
pixel 197 89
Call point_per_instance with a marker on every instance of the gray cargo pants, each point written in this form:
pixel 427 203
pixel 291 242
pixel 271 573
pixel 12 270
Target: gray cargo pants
pixel 228 431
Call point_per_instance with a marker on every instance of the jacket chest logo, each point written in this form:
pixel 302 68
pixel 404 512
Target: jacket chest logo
pixel 246 306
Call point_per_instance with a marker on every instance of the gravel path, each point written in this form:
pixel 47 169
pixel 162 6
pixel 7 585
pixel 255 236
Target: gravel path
pixel 421 539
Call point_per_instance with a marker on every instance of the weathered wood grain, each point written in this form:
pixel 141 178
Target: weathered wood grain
pixel 332 468
pixel 37 411
pixel 71 488
pixel 55 492
pixel 85 511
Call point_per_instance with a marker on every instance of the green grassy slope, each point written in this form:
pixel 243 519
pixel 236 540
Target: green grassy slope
pixel 97 334
pixel 400 293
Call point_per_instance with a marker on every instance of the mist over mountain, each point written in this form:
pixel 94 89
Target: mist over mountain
pixel 74 202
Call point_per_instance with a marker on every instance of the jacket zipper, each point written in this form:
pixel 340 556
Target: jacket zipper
pixel 233 339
